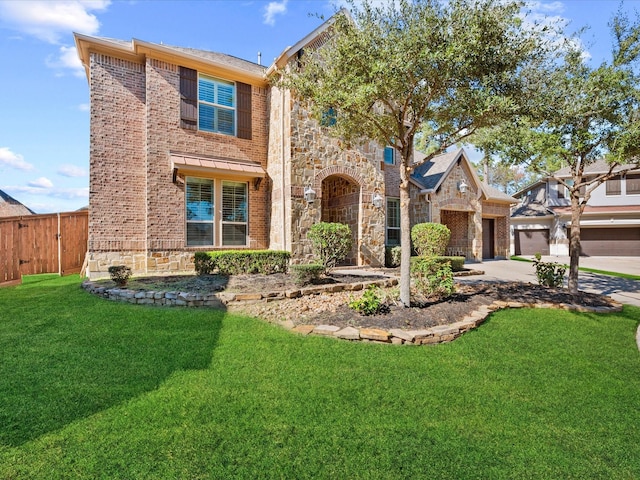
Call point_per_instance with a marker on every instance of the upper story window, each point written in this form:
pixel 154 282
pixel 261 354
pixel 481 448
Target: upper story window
pixel 211 104
pixel 390 156
pixel 614 186
pixel 328 117
pixel 633 183
pixel 216 105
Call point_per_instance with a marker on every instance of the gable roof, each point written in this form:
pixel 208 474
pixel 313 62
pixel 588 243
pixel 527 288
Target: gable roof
pixel 137 50
pixel 496 195
pixel 430 174
pixel 10 207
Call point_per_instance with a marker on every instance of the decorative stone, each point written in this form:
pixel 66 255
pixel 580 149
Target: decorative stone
pixel 293 294
pixel 243 297
pixel 405 335
pixel 325 330
pixel 348 333
pixel 444 330
pixel 303 329
pixel 375 334
pixel 397 340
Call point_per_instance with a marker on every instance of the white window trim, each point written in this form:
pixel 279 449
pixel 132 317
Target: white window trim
pixel 217 214
pixel 219 106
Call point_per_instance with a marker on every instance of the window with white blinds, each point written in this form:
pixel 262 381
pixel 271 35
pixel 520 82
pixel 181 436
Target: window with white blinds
pixel 216 212
pixel 234 213
pixel 216 105
pixel 199 214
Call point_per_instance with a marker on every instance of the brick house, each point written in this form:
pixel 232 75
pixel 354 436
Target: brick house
pixel 195 150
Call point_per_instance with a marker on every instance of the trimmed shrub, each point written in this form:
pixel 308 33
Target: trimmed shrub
pixel 120 274
pixel 392 256
pixel 203 263
pixel 456 263
pixel 331 242
pixel 306 274
pixel 236 262
pixel 550 274
pixel 430 239
pixel 432 277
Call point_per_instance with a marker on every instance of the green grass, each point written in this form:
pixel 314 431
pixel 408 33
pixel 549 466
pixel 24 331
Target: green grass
pixel 628 276
pixel 95 389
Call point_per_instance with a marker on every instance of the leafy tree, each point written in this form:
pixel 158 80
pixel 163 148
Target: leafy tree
pixel 441 68
pixel 583 114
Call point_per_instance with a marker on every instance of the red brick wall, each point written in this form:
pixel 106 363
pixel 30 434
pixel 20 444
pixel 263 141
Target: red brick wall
pixel 165 200
pixel 117 155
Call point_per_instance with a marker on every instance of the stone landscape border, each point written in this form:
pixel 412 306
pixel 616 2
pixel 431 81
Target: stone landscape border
pixel 427 336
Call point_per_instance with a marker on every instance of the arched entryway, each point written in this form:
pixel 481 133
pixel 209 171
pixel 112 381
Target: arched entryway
pixel 341 204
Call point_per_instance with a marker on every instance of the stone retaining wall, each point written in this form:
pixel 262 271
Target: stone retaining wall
pixel 439 333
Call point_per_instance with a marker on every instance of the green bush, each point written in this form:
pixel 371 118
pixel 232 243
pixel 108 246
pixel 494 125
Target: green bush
pixel 392 256
pixel 430 239
pixel 550 274
pixel 456 263
pixel 432 277
pixel 306 274
pixel 235 262
pixel 120 274
pixel 331 242
pixel 370 303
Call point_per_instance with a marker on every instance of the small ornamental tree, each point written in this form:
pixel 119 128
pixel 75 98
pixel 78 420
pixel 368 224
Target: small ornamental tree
pixel 430 239
pixel 331 242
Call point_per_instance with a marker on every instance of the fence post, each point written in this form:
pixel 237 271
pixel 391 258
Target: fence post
pixel 59 240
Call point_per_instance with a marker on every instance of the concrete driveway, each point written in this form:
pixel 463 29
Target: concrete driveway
pixel 620 289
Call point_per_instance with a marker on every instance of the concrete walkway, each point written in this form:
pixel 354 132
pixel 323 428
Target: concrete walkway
pixel 620 289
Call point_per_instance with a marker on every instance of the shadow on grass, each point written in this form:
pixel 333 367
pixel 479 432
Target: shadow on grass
pixel 66 355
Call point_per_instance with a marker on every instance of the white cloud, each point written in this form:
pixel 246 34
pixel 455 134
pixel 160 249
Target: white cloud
pixel 42 182
pixel 50 20
pixel 67 58
pixel 13 160
pixel 547 7
pixel 68 170
pixel 62 193
pixel 84 107
pixel 273 9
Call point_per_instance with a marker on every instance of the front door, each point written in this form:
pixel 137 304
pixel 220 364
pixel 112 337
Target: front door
pixel 488 238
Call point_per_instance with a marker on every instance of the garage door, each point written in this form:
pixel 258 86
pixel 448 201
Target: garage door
pixel 530 242
pixel 620 242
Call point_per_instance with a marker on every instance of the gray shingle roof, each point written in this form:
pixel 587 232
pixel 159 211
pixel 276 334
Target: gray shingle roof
pixel 430 174
pixel 599 166
pixel 531 210
pixel 10 207
pixel 493 193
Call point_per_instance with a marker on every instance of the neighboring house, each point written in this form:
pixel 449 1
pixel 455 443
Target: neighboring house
pixel 194 150
pixel 610 224
pixel 10 207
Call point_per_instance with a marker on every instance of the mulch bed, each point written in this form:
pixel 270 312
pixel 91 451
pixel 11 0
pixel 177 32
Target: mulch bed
pixel 332 308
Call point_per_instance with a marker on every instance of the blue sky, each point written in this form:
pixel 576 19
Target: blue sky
pixel 44 118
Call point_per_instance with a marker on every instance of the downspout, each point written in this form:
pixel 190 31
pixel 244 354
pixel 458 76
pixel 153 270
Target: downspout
pixel 284 201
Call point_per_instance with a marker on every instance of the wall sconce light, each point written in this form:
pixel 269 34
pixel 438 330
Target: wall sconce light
pixel 377 200
pixel 309 195
pixel 462 186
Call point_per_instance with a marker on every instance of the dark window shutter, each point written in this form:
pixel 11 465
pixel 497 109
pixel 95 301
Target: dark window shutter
pixel 188 98
pixel 244 110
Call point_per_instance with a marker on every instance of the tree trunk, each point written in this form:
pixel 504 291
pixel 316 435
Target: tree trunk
pixel 574 243
pixel 405 237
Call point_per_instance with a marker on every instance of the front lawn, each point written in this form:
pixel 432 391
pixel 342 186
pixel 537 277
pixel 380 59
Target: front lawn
pixel 97 389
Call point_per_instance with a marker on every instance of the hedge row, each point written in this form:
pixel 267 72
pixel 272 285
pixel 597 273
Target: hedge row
pixel 235 262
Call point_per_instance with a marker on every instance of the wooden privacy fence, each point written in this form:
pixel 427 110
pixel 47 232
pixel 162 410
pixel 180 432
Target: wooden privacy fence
pixel 49 243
